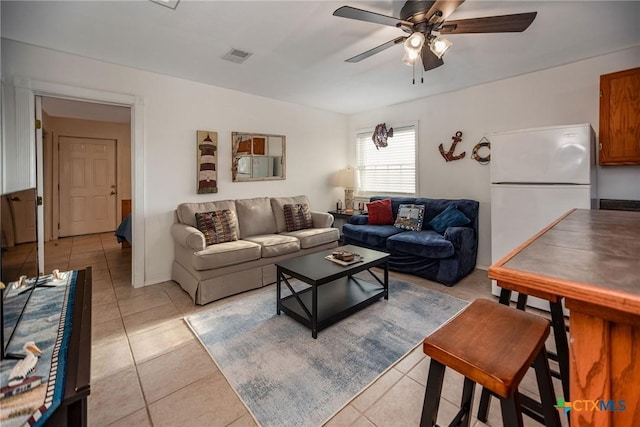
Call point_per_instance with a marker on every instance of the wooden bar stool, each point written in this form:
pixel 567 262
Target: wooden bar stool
pixel 492 345
pixel 531 407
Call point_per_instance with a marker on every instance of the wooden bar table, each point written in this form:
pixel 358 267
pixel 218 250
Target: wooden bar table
pixel 591 258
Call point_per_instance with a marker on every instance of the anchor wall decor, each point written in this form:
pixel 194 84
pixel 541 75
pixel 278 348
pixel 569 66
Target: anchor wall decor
pixel 448 155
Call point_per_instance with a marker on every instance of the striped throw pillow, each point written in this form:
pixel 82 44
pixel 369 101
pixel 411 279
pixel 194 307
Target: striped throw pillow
pixel 297 217
pixel 217 226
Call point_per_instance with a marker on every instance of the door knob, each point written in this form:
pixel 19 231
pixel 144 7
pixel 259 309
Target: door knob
pixel 112 193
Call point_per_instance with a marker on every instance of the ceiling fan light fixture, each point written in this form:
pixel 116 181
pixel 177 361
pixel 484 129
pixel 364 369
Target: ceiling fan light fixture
pixel 409 59
pixel 420 19
pixel 439 46
pixel 413 44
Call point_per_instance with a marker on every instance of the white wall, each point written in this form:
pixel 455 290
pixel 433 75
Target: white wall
pixel 318 141
pixel 173 110
pixel 562 95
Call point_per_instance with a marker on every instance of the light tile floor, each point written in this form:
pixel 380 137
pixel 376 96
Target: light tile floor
pixel 148 369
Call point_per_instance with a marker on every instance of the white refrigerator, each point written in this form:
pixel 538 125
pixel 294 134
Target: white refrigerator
pixel 536 176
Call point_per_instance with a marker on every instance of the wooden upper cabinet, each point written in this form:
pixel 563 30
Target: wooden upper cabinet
pixel 620 118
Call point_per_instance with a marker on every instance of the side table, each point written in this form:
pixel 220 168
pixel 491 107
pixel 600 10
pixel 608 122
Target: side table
pixel 341 218
pixel 344 215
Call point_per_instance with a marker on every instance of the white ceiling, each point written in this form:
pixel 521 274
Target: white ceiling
pixel 299 48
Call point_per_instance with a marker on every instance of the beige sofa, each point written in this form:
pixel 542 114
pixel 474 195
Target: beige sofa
pixel 209 273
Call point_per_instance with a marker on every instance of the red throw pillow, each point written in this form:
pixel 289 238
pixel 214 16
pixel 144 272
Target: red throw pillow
pixel 380 212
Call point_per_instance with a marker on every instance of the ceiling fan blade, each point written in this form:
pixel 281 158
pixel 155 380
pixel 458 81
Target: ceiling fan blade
pixel 491 24
pixel 445 7
pixel 365 15
pixel 377 49
pixel 430 60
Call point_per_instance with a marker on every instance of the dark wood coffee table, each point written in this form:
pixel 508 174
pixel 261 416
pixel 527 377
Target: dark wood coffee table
pixel 333 293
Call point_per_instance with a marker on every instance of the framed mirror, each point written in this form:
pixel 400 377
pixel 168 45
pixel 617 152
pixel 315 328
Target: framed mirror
pixel 258 157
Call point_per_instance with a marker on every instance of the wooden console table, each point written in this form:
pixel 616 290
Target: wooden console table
pixel 591 258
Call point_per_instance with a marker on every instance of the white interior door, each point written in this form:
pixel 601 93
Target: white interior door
pixel 23 216
pixel 87 169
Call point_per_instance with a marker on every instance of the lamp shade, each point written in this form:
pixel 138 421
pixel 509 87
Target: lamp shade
pixel 348 178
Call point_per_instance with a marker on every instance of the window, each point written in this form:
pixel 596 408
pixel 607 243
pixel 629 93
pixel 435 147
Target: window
pixel 389 170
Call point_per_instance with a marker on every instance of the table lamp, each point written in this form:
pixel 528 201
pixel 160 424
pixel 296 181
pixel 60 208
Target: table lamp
pixel 349 179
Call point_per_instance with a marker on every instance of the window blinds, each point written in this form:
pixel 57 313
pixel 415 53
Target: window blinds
pixel 391 169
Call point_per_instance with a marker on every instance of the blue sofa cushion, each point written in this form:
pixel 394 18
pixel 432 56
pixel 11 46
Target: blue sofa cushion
pixel 450 217
pixel 433 207
pixel 359 219
pixel 369 235
pixel 426 243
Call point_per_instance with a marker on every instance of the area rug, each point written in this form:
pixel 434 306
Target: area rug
pixel 287 378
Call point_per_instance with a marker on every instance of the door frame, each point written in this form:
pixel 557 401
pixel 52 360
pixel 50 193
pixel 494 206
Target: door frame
pixel 136 104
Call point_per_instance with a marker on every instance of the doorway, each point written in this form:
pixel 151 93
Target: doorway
pixel 86 153
pixel 28 92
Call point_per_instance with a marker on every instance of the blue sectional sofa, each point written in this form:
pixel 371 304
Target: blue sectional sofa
pixel 445 258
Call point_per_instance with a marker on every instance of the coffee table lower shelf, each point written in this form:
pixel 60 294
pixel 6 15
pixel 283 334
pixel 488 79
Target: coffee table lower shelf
pixel 336 300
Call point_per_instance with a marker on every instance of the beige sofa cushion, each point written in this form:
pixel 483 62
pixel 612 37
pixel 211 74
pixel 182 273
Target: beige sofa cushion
pixel 276 244
pixel 187 211
pixel 312 237
pixel 224 254
pixel 255 217
pixel 277 204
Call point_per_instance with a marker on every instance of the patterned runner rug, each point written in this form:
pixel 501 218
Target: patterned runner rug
pixel 286 378
pixel 47 322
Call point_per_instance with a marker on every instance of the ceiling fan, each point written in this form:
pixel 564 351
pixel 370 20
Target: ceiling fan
pixel 420 19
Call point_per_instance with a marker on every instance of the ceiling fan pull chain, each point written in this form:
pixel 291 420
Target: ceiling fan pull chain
pixel 414 72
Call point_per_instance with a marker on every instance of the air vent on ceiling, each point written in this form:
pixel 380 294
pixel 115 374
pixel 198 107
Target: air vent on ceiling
pixel 237 56
pixel 171 4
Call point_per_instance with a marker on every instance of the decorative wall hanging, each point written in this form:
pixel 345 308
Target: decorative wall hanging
pixel 207 161
pixel 380 135
pixel 257 156
pixel 475 155
pixel 448 155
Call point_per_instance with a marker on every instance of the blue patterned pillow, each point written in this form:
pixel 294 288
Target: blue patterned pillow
pixel 410 217
pixel 450 217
